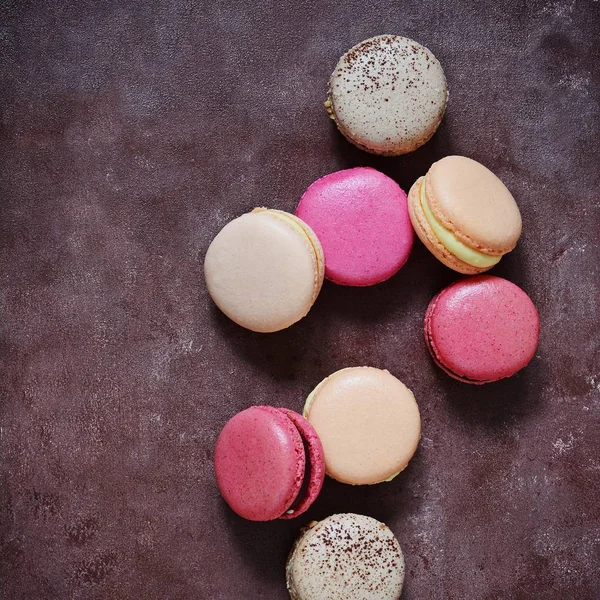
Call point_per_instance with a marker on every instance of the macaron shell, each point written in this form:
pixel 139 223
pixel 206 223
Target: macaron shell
pixel 315 466
pixel 482 329
pixel 259 463
pixel 361 218
pixel 474 204
pixel 346 556
pixel 427 236
pixel 313 240
pixel 368 422
pixel 388 95
pixel 262 272
pixel 432 351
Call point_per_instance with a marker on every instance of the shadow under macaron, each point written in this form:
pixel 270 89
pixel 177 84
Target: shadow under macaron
pixel 287 354
pixel 494 406
pixel 388 501
pixel 264 545
pixel 378 303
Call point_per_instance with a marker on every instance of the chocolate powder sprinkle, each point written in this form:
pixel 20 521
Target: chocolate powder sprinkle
pixel 392 82
pixel 347 556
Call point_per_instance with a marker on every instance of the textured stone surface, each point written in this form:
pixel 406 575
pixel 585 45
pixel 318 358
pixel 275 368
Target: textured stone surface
pixel 131 132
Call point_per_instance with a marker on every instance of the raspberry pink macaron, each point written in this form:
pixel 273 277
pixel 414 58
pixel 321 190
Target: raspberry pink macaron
pixel 361 219
pixel 269 463
pixel 482 329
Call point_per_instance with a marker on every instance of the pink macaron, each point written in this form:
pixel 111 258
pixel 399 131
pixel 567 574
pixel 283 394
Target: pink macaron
pixel 482 329
pixel 361 219
pixel 269 463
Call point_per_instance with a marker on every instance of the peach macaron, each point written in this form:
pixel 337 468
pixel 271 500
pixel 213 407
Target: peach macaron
pixel 464 215
pixel 368 422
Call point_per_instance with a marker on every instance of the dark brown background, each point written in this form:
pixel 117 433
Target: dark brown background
pixel 132 131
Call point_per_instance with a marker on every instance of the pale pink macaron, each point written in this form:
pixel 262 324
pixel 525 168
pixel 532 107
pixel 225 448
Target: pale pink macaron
pixel 361 219
pixel 482 329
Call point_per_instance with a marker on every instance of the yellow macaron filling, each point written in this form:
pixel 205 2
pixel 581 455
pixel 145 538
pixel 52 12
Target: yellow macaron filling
pixel 451 242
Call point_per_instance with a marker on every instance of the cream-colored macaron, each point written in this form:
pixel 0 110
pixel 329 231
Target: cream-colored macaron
pixel 265 269
pixel 387 95
pixel 464 214
pixel 368 422
pixel 347 556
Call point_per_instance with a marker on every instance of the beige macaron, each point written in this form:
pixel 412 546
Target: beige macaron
pixel 387 95
pixel 464 214
pixel 346 556
pixel 265 269
pixel 368 422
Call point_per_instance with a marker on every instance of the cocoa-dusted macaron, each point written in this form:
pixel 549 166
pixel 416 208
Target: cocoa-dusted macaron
pixel 387 95
pixel 346 556
pixel 464 214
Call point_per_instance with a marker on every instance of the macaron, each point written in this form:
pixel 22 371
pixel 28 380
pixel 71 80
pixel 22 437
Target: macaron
pixel 368 422
pixel 269 463
pixel 265 269
pixel 482 329
pixel 464 215
pixel 387 95
pixel 346 556
pixel 361 218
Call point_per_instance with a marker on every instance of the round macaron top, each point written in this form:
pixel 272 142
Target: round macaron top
pixel 472 203
pixel 368 422
pixel 482 329
pixel 361 218
pixel 346 556
pixel 388 94
pixel 259 463
pixel 264 270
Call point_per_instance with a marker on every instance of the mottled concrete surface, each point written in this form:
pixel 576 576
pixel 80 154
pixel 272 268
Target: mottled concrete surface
pixel 131 132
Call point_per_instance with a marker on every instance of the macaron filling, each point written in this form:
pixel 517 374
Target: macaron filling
pixel 303 491
pixel 472 257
